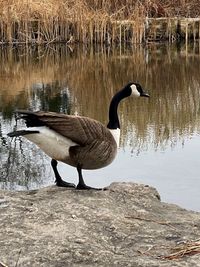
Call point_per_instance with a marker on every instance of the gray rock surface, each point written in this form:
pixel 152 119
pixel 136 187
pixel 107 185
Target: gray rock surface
pixel 126 225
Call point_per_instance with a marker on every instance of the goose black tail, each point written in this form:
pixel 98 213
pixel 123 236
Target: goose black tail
pixel 31 118
pixel 21 133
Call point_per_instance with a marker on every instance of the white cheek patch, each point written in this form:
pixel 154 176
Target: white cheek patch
pixel 134 90
pixel 116 135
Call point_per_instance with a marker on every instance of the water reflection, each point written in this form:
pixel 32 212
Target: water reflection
pixel 82 80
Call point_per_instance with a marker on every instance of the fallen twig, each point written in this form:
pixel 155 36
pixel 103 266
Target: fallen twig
pixel 188 249
pixel 150 220
pixel 18 258
pixel 2 265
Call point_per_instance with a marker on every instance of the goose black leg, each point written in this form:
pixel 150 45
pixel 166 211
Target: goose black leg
pixel 59 181
pixel 81 184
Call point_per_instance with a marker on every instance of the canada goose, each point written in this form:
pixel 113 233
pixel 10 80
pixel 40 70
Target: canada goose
pixel 78 141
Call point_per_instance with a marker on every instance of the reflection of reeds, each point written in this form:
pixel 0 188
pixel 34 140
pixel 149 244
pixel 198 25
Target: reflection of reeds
pixel 12 154
pixel 86 21
pixel 93 76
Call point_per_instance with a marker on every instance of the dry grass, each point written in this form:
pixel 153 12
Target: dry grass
pixel 86 21
pixel 186 249
pixel 56 21
pixel 182 249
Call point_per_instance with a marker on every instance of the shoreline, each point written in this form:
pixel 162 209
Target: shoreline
pixel 110 32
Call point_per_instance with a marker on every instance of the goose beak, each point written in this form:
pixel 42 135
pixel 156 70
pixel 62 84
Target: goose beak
pixel 145 94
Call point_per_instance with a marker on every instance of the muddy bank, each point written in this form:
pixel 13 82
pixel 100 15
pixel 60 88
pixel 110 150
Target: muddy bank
pixel 126 225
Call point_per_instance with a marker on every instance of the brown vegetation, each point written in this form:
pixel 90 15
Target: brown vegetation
pixel 87 21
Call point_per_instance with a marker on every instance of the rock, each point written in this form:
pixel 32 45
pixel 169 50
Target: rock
pixel 126 225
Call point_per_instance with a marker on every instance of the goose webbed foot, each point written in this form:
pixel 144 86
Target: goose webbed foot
pixel 62 183
pixel 81 184
pixel 59 182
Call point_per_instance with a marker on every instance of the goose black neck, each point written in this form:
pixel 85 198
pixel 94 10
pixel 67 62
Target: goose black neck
pixel 113 116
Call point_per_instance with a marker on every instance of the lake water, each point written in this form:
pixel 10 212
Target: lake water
pixel 160 141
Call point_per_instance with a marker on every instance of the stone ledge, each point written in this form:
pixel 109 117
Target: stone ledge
pixel 126 225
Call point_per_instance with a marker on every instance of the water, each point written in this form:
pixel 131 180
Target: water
pixel 160 140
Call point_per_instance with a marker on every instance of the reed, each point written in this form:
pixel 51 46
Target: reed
pixel 85 21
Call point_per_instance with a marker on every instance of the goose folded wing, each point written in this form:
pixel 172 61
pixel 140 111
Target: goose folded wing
pixel 81 130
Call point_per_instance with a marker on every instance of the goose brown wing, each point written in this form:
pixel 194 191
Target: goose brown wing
pixel 81 130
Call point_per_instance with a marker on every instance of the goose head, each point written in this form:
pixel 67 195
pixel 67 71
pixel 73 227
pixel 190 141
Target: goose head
pixel 135 90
